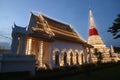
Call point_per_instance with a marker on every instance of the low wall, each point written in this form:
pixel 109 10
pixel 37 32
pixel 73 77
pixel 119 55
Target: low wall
pixel 17 63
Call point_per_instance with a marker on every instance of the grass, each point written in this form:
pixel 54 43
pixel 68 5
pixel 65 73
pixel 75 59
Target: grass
pixel 112 73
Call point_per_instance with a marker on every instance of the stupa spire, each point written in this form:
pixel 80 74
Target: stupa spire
pixel 94 38
pixel 92 29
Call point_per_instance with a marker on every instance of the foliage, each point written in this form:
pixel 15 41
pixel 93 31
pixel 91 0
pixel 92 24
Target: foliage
pixel 115 29
pixel 98 55
pixel 117 49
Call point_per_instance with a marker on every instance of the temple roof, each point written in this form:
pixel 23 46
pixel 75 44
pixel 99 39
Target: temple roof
pixel 47 28
pixel 59 29
pixel 19 29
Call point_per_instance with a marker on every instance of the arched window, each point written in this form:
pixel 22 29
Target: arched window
pixel 57 58
pixel 81 57
pixel 65 58
pixel 77 61
pixel 71 58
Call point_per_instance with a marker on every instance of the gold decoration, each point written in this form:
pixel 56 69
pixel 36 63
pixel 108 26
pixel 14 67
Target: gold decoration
pixel 42 22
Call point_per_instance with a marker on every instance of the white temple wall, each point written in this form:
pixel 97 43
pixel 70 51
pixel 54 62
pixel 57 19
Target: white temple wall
pixel 68 47
pixel 65 45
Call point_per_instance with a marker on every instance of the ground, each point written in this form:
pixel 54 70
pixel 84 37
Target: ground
pixel 107 73
pixel 112 73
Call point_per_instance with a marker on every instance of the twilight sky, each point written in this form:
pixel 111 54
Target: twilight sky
pixel 74 12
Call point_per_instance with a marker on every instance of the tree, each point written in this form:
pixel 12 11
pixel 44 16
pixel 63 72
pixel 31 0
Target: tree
pixel 115 29
pixel 117 49
pixel 98 55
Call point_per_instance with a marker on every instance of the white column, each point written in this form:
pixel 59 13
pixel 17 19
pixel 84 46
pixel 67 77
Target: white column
pixel 28 47
pixel 74 58
pixel 41 54
pixel 68 59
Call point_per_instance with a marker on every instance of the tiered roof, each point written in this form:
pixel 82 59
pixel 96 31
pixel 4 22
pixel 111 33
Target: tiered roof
pixel 60 30
pixel 46 28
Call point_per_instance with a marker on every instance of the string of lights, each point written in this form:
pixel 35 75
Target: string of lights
pixel 5 36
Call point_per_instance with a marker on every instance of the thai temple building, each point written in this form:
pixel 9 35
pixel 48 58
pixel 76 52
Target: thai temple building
pixel 95 40
pixel 49 43
pixel 53 43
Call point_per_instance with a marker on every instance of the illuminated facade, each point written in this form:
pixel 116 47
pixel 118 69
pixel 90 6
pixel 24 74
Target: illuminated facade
pixel 53 43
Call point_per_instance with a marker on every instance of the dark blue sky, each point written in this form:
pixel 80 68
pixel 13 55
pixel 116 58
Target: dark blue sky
pixel 74 12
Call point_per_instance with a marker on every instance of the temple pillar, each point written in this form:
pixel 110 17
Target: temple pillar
pixel 89 53
pixel 82 58
pixel 41 54
pixel 28 46
pixel 85 55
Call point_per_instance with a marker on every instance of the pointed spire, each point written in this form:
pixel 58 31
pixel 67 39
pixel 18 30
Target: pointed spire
pixel 112 49
pixel 92 24
pixel 14 24
pixel 92 29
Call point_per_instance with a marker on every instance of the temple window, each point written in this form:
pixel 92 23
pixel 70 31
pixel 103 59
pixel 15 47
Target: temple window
pixel 56 56
pixel 71 58
pixel 57 59
pixel 65 58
